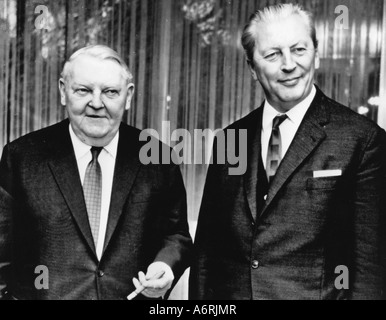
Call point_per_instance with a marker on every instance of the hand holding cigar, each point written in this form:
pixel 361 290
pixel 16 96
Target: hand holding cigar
pixel 141 288
pixel 155 284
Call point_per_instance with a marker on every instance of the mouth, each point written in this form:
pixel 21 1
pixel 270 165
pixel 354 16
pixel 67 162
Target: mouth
pixel 95 117
pixel 290 82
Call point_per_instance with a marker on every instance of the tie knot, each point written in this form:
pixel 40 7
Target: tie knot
pixel 278 120
pixel 95 151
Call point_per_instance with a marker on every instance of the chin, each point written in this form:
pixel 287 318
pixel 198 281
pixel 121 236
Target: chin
pixel 293 96
pixel 96 134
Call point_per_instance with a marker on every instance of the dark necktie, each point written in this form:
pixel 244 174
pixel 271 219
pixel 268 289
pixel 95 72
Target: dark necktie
pixel 274 148
pixel 92 189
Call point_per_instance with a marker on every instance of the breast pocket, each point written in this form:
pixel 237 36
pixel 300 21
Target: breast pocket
pixel 322 183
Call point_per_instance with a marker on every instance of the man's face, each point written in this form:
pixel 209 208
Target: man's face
pixel 96 95
pixel 285 60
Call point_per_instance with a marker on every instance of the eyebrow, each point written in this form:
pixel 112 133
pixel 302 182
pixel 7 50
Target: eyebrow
pixel 80 84
pixel 106 87
pixel 267 50
pixel 301 42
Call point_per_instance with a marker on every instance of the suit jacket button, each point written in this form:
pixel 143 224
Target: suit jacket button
pixel 255 264
pixel 100 273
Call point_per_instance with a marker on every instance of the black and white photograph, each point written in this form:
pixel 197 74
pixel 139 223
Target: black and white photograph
pixel 201 151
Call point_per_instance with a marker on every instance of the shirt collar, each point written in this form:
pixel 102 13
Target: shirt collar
pixel 81 149
pixel 295 115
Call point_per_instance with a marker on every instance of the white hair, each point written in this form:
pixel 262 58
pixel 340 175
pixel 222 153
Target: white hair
pixel 101 52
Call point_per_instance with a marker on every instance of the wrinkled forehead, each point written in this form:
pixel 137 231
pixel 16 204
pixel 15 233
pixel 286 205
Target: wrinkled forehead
pixel 90 70
pixel 86 66
pixel 282 31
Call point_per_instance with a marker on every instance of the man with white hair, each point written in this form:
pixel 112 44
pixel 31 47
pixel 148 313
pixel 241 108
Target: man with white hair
pixel 307 219
pixel 80 216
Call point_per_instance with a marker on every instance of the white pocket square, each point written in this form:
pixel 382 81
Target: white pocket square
pixel 327 173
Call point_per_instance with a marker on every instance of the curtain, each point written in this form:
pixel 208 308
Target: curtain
pixel 187 61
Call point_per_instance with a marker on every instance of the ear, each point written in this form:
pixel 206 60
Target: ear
pixel 62 89
pixel 317 60
pixel 130 93
pixel 252 69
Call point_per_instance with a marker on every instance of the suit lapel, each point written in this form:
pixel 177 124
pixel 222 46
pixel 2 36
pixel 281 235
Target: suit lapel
pixel 251 177
pixel 65 171
pixel 126 168
pixel 310 134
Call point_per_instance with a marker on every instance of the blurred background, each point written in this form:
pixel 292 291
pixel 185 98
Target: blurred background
pixel 187 61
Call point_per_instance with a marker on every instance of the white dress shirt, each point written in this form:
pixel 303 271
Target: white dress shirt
pixel 106 160
pixel 288 128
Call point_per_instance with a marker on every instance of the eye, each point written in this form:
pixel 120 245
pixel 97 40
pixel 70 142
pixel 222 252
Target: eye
pixel 300 50
pixel 272 56
pixel 82 91
pixel 111 93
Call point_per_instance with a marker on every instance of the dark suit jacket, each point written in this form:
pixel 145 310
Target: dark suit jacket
pixel 43 219
pixel 307 226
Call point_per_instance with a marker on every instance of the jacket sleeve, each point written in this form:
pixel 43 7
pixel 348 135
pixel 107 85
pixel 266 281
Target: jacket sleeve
pixel 6 210
pixel 201 278
pixel 369 209
pixel 176 248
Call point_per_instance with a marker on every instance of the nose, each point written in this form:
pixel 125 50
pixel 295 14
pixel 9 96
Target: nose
pixel 288 62
pixel 96 101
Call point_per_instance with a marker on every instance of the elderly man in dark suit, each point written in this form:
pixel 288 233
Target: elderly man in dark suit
pixel 80 216
pixel 307 219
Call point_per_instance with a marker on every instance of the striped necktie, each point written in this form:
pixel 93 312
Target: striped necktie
pixel 274 147
pixel 92 189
